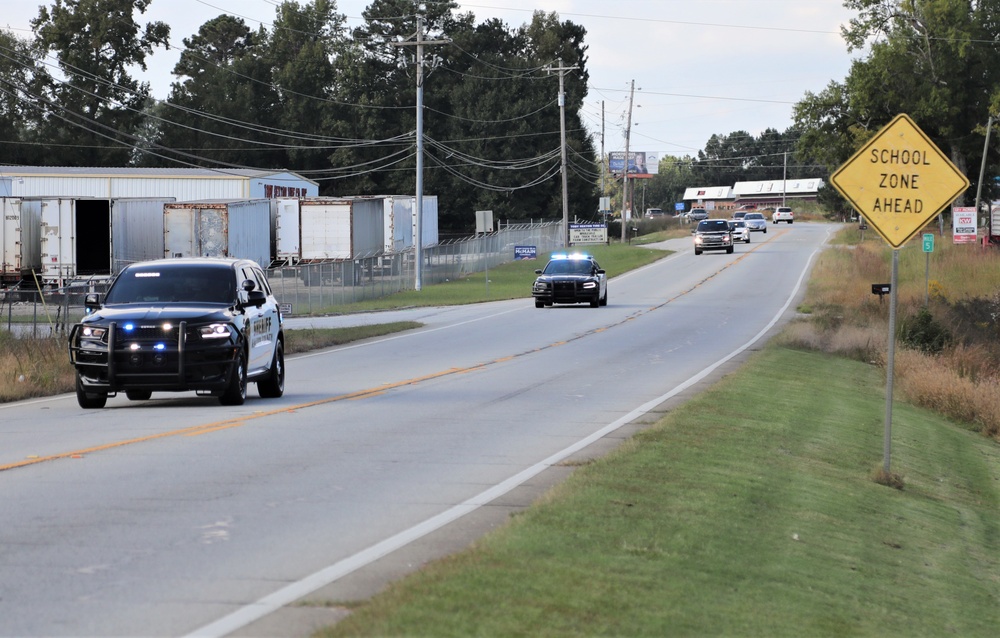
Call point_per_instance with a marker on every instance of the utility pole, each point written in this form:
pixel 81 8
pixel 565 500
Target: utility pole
pixel 982 172
pixel 628 132
pixel 784 180
pixel 602 150
pixel 562 145
pixel 418 224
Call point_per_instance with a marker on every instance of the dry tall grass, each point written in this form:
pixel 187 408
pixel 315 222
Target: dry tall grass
pixel 961 381
pixel 33 367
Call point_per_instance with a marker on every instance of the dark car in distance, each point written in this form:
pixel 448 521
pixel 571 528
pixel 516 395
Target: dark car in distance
pixel 194 324
pixel 570 279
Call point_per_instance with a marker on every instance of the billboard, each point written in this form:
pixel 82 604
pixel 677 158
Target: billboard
pixel 588 234
pixel 640 163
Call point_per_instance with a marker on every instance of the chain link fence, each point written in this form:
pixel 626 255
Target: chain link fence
pixel 305 288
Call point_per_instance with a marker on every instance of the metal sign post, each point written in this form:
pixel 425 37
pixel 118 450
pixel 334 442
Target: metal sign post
pixel 928 249
pixel 899 180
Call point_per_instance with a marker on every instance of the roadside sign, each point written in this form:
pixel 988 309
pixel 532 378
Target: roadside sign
pixel 963 224
pixel 588 234
pixel 525 252
pixel 928 243
pixel 899 181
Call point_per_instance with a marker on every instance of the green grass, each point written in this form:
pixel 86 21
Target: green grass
pixel 510 281
pixel 306 339
pixel 742 513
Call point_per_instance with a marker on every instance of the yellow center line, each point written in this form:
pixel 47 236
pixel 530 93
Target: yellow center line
pixel 208 428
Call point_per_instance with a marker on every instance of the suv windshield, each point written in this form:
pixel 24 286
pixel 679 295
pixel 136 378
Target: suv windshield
pixel 199 284
pixel 710 225
pixel 570 267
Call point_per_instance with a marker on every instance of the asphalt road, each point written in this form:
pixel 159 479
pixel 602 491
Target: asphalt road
pixel 177 516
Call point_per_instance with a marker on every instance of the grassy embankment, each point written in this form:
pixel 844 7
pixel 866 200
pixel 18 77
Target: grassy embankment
pixel 40 367
pixel 745 512
pixel 754 510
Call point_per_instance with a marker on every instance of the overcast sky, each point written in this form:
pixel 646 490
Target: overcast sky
pixel 701 67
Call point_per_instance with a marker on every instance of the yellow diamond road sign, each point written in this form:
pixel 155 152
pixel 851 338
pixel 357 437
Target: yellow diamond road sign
pixel 899 180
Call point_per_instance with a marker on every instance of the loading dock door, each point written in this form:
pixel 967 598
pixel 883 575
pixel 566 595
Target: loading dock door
pixel 93 237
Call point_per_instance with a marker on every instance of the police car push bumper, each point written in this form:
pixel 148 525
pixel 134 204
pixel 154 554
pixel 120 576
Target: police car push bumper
pixel 167 363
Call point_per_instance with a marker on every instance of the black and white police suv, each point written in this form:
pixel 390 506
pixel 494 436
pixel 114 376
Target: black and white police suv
pixel 195 324
pixel 572 278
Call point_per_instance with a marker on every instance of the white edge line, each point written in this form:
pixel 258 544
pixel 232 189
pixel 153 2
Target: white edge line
pixel 290 593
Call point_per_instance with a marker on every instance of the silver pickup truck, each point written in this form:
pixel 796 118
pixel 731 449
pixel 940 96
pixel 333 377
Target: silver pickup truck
pixel 713 234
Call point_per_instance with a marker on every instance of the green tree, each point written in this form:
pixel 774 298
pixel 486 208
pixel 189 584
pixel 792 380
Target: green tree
pixel 667 187
pixel 932 59
pixel 491 119
pixel 378 77
pixel 830 132
pixel 22 80
pixel 221 111
pixel 742 157
pixel 93 113
pixel 302 51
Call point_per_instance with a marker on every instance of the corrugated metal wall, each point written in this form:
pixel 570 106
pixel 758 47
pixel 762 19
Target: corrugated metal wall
pixel 181 188
pixel 136 231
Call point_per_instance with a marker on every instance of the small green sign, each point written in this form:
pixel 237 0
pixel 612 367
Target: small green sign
pixel 928 243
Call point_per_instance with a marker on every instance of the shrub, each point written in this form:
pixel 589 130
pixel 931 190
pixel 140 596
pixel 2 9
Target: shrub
pixel 923 332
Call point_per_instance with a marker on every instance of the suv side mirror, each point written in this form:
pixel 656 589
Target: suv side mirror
pixel 256 298
pixel 92 301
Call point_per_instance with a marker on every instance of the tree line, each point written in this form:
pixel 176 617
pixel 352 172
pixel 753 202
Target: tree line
pixel 936 60
pixel 337 105
pixel 308 94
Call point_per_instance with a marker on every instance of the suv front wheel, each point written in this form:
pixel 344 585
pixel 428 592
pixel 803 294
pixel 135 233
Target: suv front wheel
pixel 89 400
pixel 273 386
pixel 236 393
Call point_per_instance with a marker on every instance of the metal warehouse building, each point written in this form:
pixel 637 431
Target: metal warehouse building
pixel 764 193
pixel 182 184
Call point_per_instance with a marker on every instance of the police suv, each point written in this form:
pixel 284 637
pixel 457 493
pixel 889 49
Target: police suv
pixel 572 278
pixel 202 324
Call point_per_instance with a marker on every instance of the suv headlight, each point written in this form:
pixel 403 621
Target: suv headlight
pixel 215 331
pixel 91 332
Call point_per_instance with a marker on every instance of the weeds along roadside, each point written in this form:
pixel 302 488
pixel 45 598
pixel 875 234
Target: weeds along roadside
pixel 947 327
